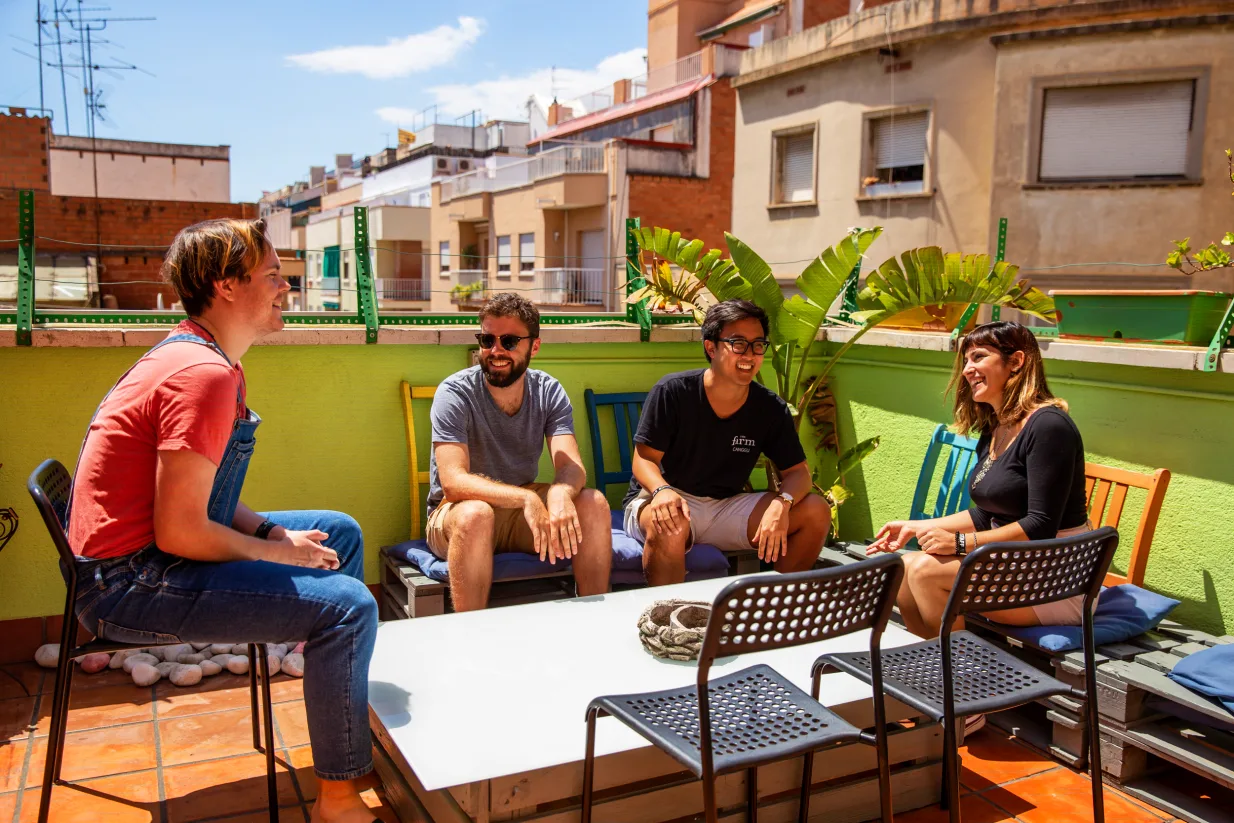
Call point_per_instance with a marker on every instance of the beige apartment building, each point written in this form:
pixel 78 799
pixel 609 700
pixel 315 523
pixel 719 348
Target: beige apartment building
pixel 1095 127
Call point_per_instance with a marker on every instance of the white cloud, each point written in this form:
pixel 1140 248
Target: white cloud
pixel 506 97
pixel 399 57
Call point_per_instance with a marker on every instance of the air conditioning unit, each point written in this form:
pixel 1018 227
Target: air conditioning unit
pixel 443 164
pixel 464 165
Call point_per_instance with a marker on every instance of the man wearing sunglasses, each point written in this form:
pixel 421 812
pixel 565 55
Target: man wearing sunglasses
pixel 490 424
pixel 699 437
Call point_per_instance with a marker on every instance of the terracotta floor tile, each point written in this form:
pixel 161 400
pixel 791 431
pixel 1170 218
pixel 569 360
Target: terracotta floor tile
pixel 221 787
pixel 991 758
pixel 973 809
pixel 119 799
pixel 100 707
pixel 285 687
pixel 8 805
pixel 12 759
pixel 106 679
pixel 1062 795
pixel 292 723
pixel 15 716
pixel 24 680
pixel 301 759
pixel 98 753
pixel 287 814
pixel 222 692
pixel 206 736
pixel 375 799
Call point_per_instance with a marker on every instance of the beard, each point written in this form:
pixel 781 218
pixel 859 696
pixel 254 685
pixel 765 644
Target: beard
pixel 500 381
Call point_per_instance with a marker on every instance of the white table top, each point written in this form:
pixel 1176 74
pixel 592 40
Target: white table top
pixel 474 696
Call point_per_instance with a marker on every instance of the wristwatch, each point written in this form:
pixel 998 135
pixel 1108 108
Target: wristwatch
pixel 786 497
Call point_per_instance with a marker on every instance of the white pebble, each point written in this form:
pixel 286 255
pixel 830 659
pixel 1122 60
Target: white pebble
pixel 209 668
pixel 154 651
pixel 118 658
pixel 222 659
pixel 239 664
pixel 185 675
pixel 47 655
pixel 193 659
pixel 91 663
pixel 138 659
pixel 145 675
pixel 293 664
pixel 201 647
pixel 276 649
pixel 241 649
pixel 220 648
pixel 172 654
pixel 275 664
pixel 166 667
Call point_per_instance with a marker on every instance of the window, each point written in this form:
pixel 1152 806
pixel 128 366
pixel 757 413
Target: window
pixel 1122 131
pixel 793 164
pixel 526 252
pixel 443 251
pixel 896 154
pixel 503 254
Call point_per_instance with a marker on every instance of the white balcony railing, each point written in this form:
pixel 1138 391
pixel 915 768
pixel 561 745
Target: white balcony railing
pixel 565 286
pixel 581 158
pixel 685 70
pixel 402 288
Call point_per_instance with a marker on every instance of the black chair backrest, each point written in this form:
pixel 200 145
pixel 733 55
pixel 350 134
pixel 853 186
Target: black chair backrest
pixel 51 486
pixel 1014 575
pixel 776 611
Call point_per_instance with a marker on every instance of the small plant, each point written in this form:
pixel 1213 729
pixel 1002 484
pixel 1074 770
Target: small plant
pixel 1190 261
pixel 465 291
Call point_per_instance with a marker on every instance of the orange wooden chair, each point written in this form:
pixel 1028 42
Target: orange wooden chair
pixel 1105 489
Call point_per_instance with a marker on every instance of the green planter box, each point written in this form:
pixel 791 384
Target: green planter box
pixel 1184 317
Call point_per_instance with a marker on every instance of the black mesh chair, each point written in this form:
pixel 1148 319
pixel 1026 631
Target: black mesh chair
pixel 51 485
pixel 756 716
pixel 959 674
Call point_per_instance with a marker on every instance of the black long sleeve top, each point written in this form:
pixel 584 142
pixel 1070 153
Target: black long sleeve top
pixel 1038 481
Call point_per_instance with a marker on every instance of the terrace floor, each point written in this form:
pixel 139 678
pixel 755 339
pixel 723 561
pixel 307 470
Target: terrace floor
pixel 169 754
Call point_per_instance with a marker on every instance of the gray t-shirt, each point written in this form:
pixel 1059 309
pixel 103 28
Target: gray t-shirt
pixel 503 448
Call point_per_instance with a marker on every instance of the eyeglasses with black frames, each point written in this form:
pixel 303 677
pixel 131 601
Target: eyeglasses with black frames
pixel 509 342
pixel 740 345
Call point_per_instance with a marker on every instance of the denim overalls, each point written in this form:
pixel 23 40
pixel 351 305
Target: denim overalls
pixel 152 597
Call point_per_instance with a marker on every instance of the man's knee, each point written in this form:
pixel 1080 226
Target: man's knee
pixel 666 543
pixel 813 512
pixel 472 516
pixel 345 533
pixel 352 600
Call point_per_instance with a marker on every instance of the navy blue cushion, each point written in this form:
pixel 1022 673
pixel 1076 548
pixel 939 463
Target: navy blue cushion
pixel 506 565
pixel 703 561
pixel 1122 613
pixel 1209 672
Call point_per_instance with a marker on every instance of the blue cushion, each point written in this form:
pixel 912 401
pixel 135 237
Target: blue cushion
pixel 506 565
pixel 703 561
pixel 1209 672
pixel 1122 613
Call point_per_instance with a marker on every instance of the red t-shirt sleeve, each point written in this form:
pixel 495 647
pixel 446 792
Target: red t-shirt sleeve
pixel 195 409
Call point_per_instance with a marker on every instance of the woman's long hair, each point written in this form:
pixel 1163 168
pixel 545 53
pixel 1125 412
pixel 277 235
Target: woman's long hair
pixel 1026 389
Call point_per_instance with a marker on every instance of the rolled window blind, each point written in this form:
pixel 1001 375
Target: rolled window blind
pixel 797 168
pixel 900 140
pixel 1116 131
pixel 503 251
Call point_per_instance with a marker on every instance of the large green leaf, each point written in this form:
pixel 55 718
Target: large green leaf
pixel 797 322
pixel 847 461
pixel 926 277
pixel 755 271
pixel 824 279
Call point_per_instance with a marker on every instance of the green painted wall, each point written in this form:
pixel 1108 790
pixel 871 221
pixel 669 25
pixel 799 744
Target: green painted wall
pixel 333 438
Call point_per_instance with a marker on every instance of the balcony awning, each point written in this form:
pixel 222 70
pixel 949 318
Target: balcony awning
pixel 750 14
pixel 623 110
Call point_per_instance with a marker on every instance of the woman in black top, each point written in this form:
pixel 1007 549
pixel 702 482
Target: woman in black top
pixel 1028 485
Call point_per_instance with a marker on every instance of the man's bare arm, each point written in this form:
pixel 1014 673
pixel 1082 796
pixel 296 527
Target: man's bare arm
pixel 567 463
pixel 458 483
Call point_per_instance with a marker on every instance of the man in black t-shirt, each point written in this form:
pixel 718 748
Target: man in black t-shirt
pixel 699 437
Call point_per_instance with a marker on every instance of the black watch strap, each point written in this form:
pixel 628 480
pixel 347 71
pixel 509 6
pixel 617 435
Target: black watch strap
pixel 658 489
pixel 263 531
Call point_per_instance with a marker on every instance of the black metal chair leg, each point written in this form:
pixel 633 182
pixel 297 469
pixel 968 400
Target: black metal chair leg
pixel 884 774
pixel 252 648
pixel 807 771
pixel 66 690
pixel 951 771
pixel 267 713
pixel 589 765
pixel 55 735
pixel 752 794
pixel 1094 752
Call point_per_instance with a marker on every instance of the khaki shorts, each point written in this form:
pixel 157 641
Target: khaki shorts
pixel 510 530
pixel 1069 612
pixel 721 522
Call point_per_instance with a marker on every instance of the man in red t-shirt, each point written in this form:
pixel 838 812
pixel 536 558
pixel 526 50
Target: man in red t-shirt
pixel 171 553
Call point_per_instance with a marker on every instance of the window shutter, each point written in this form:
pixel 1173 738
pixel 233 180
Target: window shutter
pixel 900 140
pixel 797 168
pixel 1116 131
pixel 526 251
pixel 503 251
pixel 443 248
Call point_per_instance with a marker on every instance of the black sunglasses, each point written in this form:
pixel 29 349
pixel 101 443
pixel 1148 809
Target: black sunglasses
pixel 509 342
pixel 740 344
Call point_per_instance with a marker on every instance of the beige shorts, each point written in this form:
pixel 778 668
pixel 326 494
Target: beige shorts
pixel 510 530
pixel 721 522
pixel 1069 612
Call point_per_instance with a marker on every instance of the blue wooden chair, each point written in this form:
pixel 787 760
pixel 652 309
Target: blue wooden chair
pixel 703 561
pixel 952 490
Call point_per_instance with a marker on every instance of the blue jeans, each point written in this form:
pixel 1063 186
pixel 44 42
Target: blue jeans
pixel 152 597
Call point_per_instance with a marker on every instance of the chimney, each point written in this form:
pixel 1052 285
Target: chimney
pixel 621 92
pixel 342 162
pixel 317 175
pixel 558 113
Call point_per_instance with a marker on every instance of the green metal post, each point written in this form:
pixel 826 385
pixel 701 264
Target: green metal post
pixel 25 266
pixel 635 312
pixel 996 313
pixel 365 287
pixel 1219 341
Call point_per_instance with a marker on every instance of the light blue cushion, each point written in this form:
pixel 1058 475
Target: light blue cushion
pixel 1209 672
pixel 506 565
pixel 1122 613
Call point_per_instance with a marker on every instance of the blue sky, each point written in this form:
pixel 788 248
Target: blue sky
pixel 290 84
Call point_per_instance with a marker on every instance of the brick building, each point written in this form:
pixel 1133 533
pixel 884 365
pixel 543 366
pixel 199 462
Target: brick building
pixel 90 250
